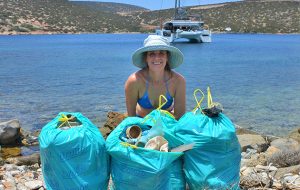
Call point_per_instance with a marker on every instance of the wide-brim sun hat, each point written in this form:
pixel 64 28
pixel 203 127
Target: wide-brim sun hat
pixel 155 43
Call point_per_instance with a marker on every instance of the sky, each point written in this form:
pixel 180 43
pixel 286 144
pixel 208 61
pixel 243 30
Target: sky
pixel 163 4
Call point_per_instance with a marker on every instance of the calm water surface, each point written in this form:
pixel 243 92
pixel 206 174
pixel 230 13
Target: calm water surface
pixel 255 77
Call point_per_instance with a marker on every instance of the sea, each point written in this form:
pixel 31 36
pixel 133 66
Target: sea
pixel 256 77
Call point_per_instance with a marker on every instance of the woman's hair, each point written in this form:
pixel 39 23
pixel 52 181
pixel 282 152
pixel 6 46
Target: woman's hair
pixel 167 67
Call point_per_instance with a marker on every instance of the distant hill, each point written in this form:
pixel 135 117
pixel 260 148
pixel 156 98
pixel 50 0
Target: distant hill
pixel 63 16
pixel 252 16
pixel 110 7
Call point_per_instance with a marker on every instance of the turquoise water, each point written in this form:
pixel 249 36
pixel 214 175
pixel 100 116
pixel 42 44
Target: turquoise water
pixel 255 77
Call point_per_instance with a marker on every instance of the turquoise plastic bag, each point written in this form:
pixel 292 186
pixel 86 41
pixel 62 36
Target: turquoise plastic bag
pixel 73 158
pixel 214 162
pixel 139 168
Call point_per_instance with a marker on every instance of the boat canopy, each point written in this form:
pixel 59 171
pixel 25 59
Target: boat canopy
pixel 184 22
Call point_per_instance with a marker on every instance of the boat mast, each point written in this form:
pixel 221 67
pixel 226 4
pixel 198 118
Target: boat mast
pixel 175 10
pixel 177 6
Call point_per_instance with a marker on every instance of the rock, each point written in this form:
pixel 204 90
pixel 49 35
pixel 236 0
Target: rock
pixel 292 181
pixel 1 161
pixel 268 168
pixel 286 144
pixel 25 160
pixel 113 120
pixel 285 158
pixel 36 133
pixel 242 131
pixel 271 150
pixel 105 131
pixel 9 185
pixel 259 159
pixel 256 176
pixel 7 152
pixel 249 153
pixel 277 185
pixel 252 141
pixel 251 179
pixel 270 138
pixel 295 134
pixel 245 162
pixel 15 172
pixel 282 171
pixel 9 167
pixel 9 132
pixel 29 139
pixel 20 186
pixel 247 171
pixel 34 184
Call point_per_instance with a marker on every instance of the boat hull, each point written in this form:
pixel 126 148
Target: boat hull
pixel 202 36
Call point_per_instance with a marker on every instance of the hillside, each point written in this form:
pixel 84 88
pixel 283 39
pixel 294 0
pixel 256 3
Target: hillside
pixel 245 17
pixel 62 16
pixel 110 7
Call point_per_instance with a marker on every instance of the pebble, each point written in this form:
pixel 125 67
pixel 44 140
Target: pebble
pixel 34 184
pixel 21 177
pixel 270 168
pixel 31 178
pixel 249 152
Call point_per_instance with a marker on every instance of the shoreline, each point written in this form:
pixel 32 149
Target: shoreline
pixel 54 33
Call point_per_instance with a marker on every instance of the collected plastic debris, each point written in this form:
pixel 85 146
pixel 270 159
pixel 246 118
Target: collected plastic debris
pixel 157 143
pixel 156 130
pixel 183 148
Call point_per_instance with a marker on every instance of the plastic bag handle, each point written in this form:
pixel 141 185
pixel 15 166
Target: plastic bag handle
pixel 198 106
pixel 161 97
pixel 64 119
pixel 126 144
pixel 162 104
pixel 148 117
pixel 209 98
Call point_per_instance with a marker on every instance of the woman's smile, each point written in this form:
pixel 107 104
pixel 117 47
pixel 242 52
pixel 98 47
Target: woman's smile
pixel 156 63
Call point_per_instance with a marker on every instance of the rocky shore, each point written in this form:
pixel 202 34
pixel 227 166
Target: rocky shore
pixel 268 162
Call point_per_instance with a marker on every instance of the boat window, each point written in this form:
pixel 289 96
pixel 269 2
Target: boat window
pixel 195 27
pixel 168 26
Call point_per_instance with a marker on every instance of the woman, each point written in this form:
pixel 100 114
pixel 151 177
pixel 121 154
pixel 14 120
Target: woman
pixel 143 88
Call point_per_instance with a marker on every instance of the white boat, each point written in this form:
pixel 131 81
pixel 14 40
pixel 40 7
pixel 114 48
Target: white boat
pixel 182 26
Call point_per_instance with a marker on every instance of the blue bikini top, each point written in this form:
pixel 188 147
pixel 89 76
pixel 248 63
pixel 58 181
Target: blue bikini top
pixel 145 102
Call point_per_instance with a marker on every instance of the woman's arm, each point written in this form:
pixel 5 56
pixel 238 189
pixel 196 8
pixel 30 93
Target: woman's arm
pixel 179 98
pixel 131 93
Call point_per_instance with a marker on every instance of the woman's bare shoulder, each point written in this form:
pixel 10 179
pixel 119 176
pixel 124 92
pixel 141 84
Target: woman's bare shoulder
pixel 136 77
pixel 176 77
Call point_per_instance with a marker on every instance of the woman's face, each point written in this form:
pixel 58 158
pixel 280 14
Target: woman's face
pixel 157 59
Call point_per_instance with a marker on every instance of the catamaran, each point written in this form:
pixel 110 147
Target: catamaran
pixel 184 26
